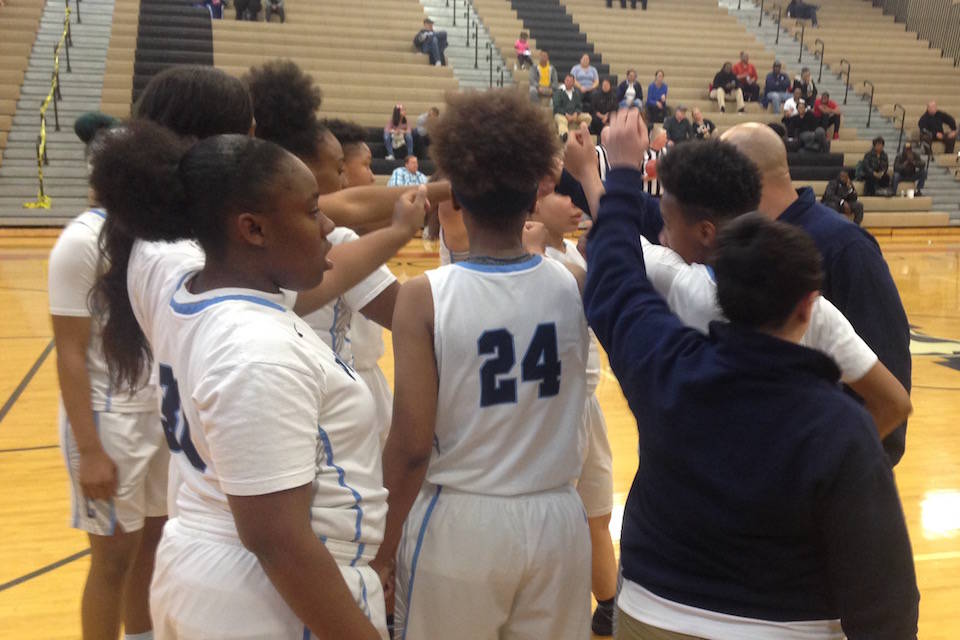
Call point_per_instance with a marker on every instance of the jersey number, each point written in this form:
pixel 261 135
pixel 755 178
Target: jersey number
pixel 171 416
pixel 541 363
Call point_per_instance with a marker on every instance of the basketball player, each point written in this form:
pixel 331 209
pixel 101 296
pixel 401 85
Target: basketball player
pixel 112 441
pixel 559 216
pixel 357 156
pixel 764 500
pixel 706 189
pixel 490 388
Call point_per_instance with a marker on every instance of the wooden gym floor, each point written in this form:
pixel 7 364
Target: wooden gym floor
pixel 43 562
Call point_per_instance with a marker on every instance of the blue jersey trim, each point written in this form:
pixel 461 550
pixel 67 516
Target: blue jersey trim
pixel 99 212
pixel 533 261
pixel 416 554
pixel 356 558
pixel 713 275
pixel 190 308
pixel 363 595
pixel 306 633
pixel 341 478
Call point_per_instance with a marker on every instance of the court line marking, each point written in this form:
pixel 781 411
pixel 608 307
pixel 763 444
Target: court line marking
pixel 26 381
pixel 942 555
pixel 42 570
pixel 38 448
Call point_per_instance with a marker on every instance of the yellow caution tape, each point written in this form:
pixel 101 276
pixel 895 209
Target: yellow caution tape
pixel 43 200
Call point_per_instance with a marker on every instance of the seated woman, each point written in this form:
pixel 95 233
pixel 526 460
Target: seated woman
pixel 630 93
pixel 603 105
pixel 657 99
pixel 398 133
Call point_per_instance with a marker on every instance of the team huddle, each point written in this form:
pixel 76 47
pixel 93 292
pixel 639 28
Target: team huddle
pixel 244 471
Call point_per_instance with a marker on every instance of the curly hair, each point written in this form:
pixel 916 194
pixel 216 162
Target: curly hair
pixel 349 134
pixel 285 104
pixel 493 143
pixel 710 179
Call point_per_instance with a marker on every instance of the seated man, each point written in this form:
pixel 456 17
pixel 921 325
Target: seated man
pixel 431 42
pixel 875 168
pixel 543 78
pixel 747 77
pixel 802 11
pixel 808 88
pixel 568 107
pixel 841 195
pixel 932 125
pixel 764 497
pixel 678 127
pixel 702 128
pixel 790 106
pixel 725 84
pixel 805 128
pixel 829 114
pixel 407 175
pixel 909 166
pixel 777 87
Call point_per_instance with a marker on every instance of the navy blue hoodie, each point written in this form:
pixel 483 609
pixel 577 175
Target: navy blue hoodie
pixel 762 490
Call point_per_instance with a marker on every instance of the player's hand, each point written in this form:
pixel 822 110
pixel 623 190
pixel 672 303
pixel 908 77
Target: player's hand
pixel 626 139
pixel 386 571
pixel 97 475
pixel 411 210
pixel 534 237
pixel 579 154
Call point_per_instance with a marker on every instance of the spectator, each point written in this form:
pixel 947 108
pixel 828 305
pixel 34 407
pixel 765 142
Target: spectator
pixel 543 78
pixel 585 78
pixel 808 88
pixel 215 7
pixel 397 134
pixel 841 195
pixel 777 87
pixel 678 128
pixel 747 78
pixel 604 103
pixel 702 128
pixel 407 175
pixel 275 7
pixel 568 107
pixel 909 166
pixel 931 127
pixel 524 57
pixel 875 168
pixel 805 128
pixel 790 106
pixel 827 111
pixel 725 84
pixel 247 9
pixel 657 99
pixel 431 42
pixel 629 93
pixel 421 134
pixel 633 4
pixel 802 11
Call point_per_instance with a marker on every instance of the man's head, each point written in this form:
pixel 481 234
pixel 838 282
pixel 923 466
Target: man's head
pixel 727 67
pixel 796 94
pixel 777 67
pixel 605 85
pixel 744 57
pixel 585 60
pixel 932 107
pixel 428 24
pixel 356 153
pixel 825 97
pixel 631 75
pixel 705 185
pixel 680 113
pixel 568 81
pixel 805 74
pixel 801 107
pixel 658 140
pixel 697 114
pixel 493 193
pixel 907 149
pixel 768 275
pixel 411 163
pixel 766 149
pixel 844 178
pixel 878 144
pixel 544 58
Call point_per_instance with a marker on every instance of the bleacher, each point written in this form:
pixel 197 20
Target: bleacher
pixel 19 22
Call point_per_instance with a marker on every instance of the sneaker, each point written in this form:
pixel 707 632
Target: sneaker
pixel 836 135
pixel 390 157
pixel 917 193
pixel 723 109
pixel 602 622
pixel 438 64
pixel 741 110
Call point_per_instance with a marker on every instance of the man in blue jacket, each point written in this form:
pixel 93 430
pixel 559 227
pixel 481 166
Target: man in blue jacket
pixel 776 88
pixel 856 277
pixel 763 506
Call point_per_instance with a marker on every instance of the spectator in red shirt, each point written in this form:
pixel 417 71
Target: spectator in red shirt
pixel 828 112
pixel 747 77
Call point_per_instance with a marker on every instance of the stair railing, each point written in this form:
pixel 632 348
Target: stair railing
pixel 779 17
pixel 870 108
pixel 847 90
pixel 760 24
pixel 803 29
pixel 903 119
pixel 820 51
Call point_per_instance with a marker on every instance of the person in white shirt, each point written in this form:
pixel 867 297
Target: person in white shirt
pixel 273 433
pixel 489 535
pixel 790 106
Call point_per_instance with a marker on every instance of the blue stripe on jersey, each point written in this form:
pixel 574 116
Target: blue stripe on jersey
pixel 533 261
pixel 99 212
pixel 306 633
pixel 356 558
pixel 189 308
pixel 416 555
pixel 341 478
pixel 363 595
pixel 713 276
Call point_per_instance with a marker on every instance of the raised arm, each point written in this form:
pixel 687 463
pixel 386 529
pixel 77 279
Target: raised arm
pixel 369 207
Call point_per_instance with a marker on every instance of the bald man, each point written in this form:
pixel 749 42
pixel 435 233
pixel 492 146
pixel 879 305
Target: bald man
pixel 938 126
pixel 857 280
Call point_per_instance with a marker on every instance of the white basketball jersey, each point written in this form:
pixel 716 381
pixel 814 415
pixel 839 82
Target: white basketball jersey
pixel 571 255
pixel 511 348
pixel 332 322
pixel 254 402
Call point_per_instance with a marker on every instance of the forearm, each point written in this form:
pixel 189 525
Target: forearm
pixel 367 206
pixel 75 391
pixel 593 190
pixel 403 475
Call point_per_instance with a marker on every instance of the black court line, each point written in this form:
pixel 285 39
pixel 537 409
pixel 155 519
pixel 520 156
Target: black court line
pixel 40 448
pixel 26 381
pixel 42 570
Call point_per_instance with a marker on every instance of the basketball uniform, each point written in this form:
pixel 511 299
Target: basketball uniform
pixel 253 403
pixel 128 425
pixel 447 256
pixel 691 293
pixel 595 484
pixel 496 544
pixel 368 348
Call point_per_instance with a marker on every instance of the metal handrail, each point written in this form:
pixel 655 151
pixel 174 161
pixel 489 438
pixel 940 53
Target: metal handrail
pixel 870 108
pixel 903 120
pixel 779 17
pixel 760 24
pixel 822 50
pixel 847 91
pixel 803 29
pixel 476 45
pixel 466 14
pixel 489 46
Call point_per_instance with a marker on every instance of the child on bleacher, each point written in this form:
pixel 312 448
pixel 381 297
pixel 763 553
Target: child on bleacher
pixel 524 58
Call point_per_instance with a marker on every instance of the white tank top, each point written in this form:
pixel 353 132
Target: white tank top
pixel 511 349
